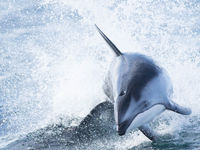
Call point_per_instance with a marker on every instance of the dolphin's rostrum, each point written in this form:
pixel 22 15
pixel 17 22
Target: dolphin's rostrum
pixel 139 89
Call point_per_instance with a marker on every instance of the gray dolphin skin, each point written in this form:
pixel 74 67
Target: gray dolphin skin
pixel 139 89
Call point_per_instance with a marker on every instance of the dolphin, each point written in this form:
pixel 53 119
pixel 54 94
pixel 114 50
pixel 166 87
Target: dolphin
pixel 139 89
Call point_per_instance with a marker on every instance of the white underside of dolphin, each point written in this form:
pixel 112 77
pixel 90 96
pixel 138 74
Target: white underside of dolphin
pixel 139 89
pixel 146 116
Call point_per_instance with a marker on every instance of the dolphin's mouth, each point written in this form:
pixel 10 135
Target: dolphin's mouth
pixel 122 127
pixel 140 118
pixel 121 133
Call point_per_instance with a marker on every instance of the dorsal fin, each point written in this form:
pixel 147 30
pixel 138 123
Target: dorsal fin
pixel 114 48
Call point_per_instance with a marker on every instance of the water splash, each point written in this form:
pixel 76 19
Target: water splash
pixel 52 60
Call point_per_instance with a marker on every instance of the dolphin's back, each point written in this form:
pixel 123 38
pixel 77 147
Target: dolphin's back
pixel 142 71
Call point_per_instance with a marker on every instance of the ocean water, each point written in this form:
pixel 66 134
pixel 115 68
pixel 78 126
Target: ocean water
pixel 53 63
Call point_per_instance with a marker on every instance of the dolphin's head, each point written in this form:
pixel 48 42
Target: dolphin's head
pixel 130 114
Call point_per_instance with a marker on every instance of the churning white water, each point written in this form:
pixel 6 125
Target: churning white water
pixel 53 61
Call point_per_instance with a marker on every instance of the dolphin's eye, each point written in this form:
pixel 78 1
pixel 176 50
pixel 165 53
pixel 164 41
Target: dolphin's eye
pixel 122 93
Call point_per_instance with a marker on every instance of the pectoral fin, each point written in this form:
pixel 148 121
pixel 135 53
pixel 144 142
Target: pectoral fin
pixel 149 133
pixel 178 109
